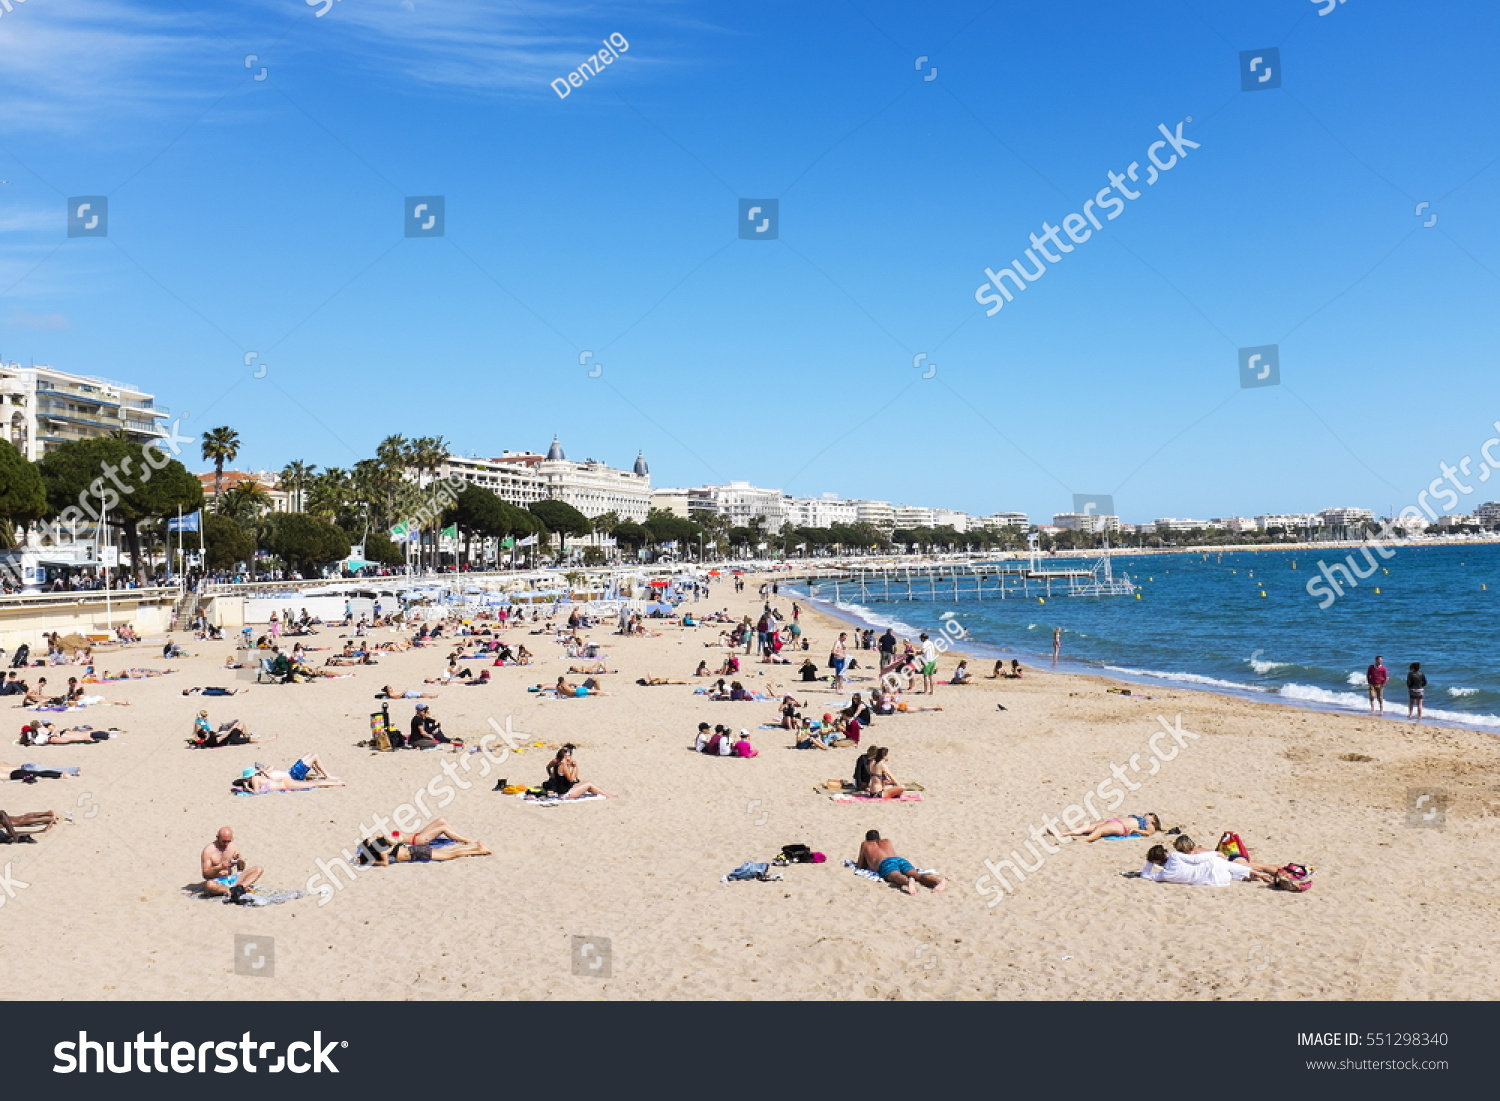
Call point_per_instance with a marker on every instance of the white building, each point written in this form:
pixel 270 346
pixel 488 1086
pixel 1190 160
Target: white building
pixel 1488 514
pixel 1086 521
pixel 1171 524
pixel 913 516
pixel 592 487
pixel 512 477
pixel 1345 517
pixel 951 518
pixel 41 407
pixel 821 512
pixel 740 503
pixel 878 513
pixel 675 501
pixel 1006 520
pixel 1237 524
pixel 1289 521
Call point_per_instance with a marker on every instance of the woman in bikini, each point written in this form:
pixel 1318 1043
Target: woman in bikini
pixel 384 851
pixel 562 777
pixel 1129 825
pixel 882 782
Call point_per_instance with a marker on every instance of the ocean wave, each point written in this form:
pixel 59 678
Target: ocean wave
pixel 1307 693
pixel 1187 678
pixel 1356 679
pixel 875 619
pixel 1264 667
pixel 1459 693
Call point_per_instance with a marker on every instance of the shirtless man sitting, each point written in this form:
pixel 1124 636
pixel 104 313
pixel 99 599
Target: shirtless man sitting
pixel 224 871
pixel 879 856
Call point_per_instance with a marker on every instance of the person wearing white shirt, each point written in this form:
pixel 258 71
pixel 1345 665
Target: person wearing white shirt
pixel 1196 869
pixel 929 664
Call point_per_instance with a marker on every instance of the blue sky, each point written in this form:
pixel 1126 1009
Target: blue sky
pixel 266 216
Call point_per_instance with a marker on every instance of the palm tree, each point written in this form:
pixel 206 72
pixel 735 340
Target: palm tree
pixel 296 479
pixel 220 445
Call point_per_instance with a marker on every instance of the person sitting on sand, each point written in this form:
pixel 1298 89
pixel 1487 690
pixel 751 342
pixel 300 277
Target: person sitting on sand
pixel 879 856
pixel 789 712
pixel 705 735
pixel 1198 869
pixel 864 764
pixel 882 782
pixel 11 826
pixel 562 777
pixel 425 731
pixel 702 670
pixel 961 675
pixel 223 868
pixel 383 851
pixel 1131 825
pixel 1016 671
pixel 815 735
pixel 999 670
pixel 388 693
pixel 730 667
pixel 38 732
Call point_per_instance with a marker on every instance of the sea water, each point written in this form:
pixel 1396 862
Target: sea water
pixel 1202 622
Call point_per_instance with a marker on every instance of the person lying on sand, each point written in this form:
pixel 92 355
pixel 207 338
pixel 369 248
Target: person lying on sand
pixel 257 783
pixel 1186 846
pixel 1131 825
pixel 652 681
pixel 879 856
pixel 38 732
pixel 32 773
pixel 597 670
pixel 388 693
pixel 223 869
pixel 1197 869
pixel 11 825
pixel 213 691
pixel 383 851
pixel 562 777
pixel 309 767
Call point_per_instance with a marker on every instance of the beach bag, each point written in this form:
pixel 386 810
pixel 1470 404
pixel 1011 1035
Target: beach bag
pixel 1231 847
pixel 1293 877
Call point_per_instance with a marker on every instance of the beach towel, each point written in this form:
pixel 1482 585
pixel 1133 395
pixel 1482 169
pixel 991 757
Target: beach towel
pixel 866 873
pixel 296 791
pixel 906 797
pixel 555 800
pixel 1122 837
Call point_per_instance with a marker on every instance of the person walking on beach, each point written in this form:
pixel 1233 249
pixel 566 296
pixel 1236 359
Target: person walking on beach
pixel 839 658
pixel 1375 677
pixel 1416 690
pixel 887 647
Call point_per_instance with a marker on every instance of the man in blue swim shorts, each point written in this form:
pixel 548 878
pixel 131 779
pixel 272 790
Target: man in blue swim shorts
pixel 224 871
pixel 879 856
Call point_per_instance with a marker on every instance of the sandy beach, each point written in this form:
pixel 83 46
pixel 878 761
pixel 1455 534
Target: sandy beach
pixel 1398 911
